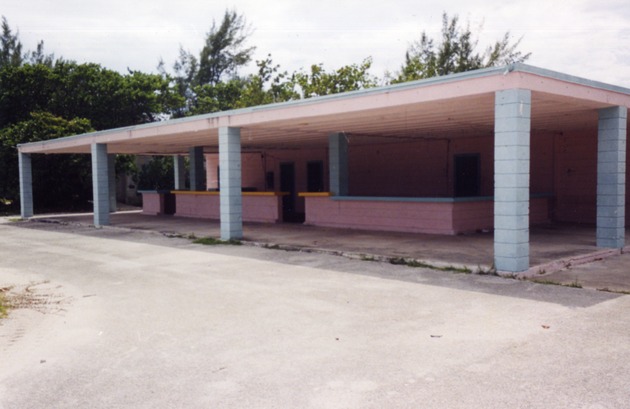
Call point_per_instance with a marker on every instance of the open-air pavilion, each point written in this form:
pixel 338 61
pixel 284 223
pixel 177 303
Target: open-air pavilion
pixel 497 150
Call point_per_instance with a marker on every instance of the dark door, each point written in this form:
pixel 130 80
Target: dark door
pixel 467 175
pixel 287 184
pixel 315 176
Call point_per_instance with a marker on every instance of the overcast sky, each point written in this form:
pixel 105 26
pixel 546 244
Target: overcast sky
pixel 587 38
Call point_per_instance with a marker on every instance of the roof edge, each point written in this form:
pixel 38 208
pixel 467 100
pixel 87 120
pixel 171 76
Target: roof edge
pixel 543 72
pixel 468 75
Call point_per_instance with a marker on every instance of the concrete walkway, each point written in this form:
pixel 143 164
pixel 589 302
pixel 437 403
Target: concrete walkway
pixel 563 254
pixel 119 318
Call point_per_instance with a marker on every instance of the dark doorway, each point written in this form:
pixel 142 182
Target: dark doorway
pixel 270 181
pixel 287 184
pixel 315 176
pixel 467 175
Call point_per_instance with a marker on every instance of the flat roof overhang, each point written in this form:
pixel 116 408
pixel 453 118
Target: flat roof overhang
pixel 454 106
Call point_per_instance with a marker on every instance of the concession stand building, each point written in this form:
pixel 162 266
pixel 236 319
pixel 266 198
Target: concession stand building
pixel 494 150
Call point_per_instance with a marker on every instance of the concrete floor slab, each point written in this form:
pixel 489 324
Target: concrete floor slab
pixel 555 249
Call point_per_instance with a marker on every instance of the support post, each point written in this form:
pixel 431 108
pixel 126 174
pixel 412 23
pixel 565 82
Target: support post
pixel 512 125
pixel 100 184
pixel 180 172
pixel 230 182
pixel 111 169
pixel 197 170
pixel 338 163
pixel 26 185
pixel 611 177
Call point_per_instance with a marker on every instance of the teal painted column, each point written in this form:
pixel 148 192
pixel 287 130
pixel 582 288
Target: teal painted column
pixel 230 182
pixel 100 184
pixel 26 185
pixel 512 123
pixel 611 177
pixel 111 168
pixel 180 172
pixel 338 163
pixel 197 169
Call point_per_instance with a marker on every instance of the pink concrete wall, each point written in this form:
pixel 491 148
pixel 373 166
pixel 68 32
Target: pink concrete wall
pixel 452 217
pixel 425 168
pixel 422 168
pixel 201 205
pixel 576 177
pixel 407 169
pixel 541 162
pixel 413 217
pixel 256 208
pixel 152 203
pixel 252 166
pixel 470 217
pixel 263 209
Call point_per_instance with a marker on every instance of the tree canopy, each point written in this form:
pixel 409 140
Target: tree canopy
pixel 347 78
pixel 456 51
pixel 43 97
pixel 223 53
pixel 48 170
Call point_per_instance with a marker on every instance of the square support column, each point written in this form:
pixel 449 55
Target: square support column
pixel 230 182
pixel 338 163
pixel 512 123
pixel 26 185
pixel 111 168
pixel 100 184
pixel 180 172
pixel 197 169
pixel 611 177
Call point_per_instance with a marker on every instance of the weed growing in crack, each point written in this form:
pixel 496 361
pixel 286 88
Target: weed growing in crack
pixel 573 284
pixel 211 241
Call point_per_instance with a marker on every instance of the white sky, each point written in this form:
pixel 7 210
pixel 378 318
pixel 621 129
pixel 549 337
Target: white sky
pixel 587 38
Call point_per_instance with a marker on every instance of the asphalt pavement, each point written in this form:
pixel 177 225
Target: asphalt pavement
pixel 114 318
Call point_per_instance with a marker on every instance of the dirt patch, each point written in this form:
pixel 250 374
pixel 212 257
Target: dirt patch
pixel 36 296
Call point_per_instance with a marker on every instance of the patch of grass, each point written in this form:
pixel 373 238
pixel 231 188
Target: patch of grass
pixel 573 284
pixel 211 241
pixel 546 282
pixel 15 219
pixel 4 305
pixel 31 297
